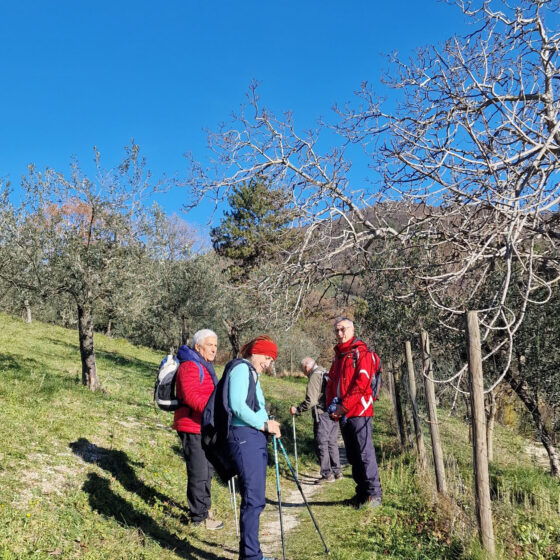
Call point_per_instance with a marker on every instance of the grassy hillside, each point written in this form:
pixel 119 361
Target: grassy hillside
pixel 101 476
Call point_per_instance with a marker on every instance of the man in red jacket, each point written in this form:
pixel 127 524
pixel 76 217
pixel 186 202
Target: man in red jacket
pixel 350 381
pixel 194 384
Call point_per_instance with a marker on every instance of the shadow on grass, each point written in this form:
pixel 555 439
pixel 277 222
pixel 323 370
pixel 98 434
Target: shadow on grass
pixel 121 467
pixel 178 450
pixel 142 366
pixel 48 381
pixel 302 504
pixel 103 500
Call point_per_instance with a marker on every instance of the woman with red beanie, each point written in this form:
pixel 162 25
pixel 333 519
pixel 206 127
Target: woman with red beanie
pixel 247 436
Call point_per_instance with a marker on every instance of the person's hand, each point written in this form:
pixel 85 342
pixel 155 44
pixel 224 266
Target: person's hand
pixel 273 427
pixel 293 410
pixel 339 412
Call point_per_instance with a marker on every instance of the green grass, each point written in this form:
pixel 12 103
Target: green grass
pixel 101 476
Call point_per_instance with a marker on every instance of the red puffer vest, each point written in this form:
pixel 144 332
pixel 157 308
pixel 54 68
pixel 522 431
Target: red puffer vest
pixel 194 394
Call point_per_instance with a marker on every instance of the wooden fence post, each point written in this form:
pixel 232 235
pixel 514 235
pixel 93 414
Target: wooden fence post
pixel 398 404
pixel 389 384
pixel 420 448
pixel 480 456
pixel 427 371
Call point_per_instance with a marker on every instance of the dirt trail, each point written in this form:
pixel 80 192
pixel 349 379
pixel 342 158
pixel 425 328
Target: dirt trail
pixel 292 507
pixel 292 504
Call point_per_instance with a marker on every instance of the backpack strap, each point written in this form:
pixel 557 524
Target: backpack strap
pixel 201 372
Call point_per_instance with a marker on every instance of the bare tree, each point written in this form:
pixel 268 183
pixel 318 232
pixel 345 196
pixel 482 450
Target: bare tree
pixel 475 144
pixel 318 198
pixel 470 153
pixel 465 166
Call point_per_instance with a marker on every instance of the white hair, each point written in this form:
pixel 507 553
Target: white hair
pixel 343 320
pixel 201 335
pixel 308 362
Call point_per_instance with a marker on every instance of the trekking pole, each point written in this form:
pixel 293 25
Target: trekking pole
pixel 327 551
pixel 235 506
pixel 229 483
pixel 295 442
pixel 279 495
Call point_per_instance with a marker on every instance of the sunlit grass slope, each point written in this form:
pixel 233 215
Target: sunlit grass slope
pixel 101 476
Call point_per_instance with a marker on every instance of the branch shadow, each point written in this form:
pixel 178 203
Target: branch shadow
pixel 118 464
pixel 142 366
pixel 104 501
pixel 49 382
pixel 302 504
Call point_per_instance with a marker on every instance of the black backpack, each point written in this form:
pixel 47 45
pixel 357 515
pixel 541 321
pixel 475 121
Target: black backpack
pixel 216 420
pixel 164 390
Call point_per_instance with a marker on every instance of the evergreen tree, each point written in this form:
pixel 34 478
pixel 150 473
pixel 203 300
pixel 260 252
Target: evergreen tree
pixel 255 229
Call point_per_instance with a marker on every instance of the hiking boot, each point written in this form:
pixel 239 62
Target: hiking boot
pixel 359 502
pixel 324 479
pixel 371 502
pixel 268 558
pixel 210 524
pixel 354 502
pixel 338 476
pixel 213 524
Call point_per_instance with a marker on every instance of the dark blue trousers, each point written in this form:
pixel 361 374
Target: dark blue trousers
pixel 248 451
pixel 360 452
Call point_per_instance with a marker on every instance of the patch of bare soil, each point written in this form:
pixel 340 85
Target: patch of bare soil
pixel 538 454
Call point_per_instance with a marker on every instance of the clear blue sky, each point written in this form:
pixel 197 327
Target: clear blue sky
pixel 77 74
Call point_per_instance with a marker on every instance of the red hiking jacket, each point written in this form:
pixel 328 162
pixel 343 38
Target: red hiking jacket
pixel 352 383
pixel 194 394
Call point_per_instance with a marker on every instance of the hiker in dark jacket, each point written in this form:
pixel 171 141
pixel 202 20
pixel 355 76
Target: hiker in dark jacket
pixel 247 437
pixel 350 382
pixel 194 384
pixel 325 429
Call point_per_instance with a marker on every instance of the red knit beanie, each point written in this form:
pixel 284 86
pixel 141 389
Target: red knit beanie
pixel 265 347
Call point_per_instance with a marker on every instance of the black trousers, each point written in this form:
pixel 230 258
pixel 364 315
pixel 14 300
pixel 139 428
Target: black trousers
pixel 199 476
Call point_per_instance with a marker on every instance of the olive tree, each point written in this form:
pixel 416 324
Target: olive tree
pixel 80 236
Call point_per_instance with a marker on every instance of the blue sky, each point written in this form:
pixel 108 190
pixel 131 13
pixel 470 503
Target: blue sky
pixel 77 74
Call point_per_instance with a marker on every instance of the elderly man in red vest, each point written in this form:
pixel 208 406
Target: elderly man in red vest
pixel 350 383
pixel 194 384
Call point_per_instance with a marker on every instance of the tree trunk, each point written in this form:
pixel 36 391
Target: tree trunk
pixel 87 352
pixel 27 310
pixel 233 336
pixel 108 330
pixel 184 331
pixel 531 403
pixel 480 455
pixel 427 371
pixel 491 411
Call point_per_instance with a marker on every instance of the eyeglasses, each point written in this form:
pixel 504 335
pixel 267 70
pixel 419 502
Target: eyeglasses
pixel 340 329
